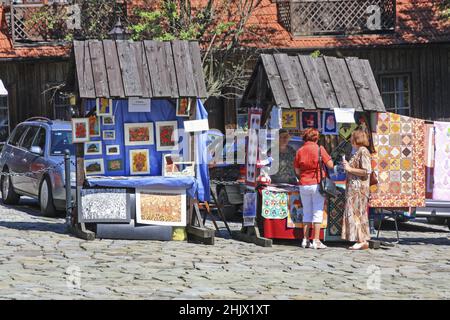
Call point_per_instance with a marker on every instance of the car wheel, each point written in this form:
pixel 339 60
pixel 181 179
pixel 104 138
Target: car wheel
pixel 46 198
pixel 9 196
pixel 229 210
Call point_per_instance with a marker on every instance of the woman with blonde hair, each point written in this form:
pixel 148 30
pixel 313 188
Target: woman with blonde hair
pixel 355 226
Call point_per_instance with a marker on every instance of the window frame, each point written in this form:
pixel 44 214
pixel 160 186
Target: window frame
pixel 396 92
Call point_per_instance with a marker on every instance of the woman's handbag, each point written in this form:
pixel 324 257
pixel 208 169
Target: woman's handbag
pixel 327 187
pixel 373 179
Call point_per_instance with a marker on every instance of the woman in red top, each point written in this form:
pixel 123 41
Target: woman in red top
pixel 306 166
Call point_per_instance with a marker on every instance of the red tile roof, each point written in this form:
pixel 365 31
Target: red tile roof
pixel 418 22
pixel 8 51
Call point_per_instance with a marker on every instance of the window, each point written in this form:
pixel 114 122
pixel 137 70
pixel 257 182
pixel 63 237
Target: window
pixel 17 134
pixel 4 119
pixel 29 138
pixel 60 142
pixel 40 139
pixel 396 94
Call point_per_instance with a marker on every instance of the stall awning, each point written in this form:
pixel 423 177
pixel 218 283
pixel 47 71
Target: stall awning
pixel 3 91
pixel 146 69
pixel 301 81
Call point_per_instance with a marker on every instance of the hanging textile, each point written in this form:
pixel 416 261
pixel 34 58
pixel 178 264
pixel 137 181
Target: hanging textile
pixel 399 162
pixel 274 205
pixel 429 159
pixel 441 190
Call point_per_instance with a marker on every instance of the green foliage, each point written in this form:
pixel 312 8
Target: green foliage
pixel 316 54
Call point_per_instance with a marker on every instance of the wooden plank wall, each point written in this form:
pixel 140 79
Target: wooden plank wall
pixel 27 82
pixel 428 68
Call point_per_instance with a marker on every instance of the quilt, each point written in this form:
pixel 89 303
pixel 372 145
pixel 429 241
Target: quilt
pixel 399 162
pixel 441 189
pixel 274 205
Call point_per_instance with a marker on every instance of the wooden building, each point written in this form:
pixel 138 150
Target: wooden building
pixel 407 43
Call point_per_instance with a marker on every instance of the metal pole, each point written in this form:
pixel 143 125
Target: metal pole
pixel 68 187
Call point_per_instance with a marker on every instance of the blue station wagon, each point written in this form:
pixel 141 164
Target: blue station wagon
pixel 33 147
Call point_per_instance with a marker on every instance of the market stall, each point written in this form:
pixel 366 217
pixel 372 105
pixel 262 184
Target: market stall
pixel 140 144
pixel 295 93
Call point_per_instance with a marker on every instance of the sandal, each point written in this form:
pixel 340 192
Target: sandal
pixel 359 246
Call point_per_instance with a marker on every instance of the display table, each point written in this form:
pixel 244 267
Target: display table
pixel 160 183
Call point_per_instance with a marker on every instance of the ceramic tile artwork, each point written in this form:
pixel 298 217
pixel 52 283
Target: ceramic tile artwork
pixel 274 205
pixel 399 162
pixel 252 149
pixel 429 159
pixel 441 189
pixel 165 207
pixel 104 205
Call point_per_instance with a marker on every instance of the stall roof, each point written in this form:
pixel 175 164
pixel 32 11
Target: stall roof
pixel 147 69
pixel 301 81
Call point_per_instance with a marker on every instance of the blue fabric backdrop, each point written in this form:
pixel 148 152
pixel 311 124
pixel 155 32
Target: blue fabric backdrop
pixel 161 110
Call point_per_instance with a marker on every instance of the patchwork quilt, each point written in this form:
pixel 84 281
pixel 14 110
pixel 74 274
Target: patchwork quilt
pixel 441 189
pixel 399 162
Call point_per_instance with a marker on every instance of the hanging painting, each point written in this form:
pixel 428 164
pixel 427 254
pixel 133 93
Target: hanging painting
pixel 310 119
pixel 104 205
pixel 429 159
pixel 115 165
pixel 109 134
pixel 93 148
pixel 329 123
pixel 441 189
pixel 80 130
pixel 138 134
pixel 250 205
pixel 109 120
pixel 184 107
pixel 167 136
pixel 295 213
pixel 399 162
pixel 113 150
pixel 161 207
pixel 139 162
pixel 94 127
pixel 94 167
pixel 289 119
pixel 104 107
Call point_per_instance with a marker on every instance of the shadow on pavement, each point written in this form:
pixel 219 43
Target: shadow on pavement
pixel 35 226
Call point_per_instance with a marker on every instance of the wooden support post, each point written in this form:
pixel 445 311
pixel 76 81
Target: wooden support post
pixel 252 235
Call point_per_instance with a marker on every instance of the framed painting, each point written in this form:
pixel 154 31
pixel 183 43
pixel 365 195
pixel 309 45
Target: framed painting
pixel 104 205
pixel 114 165
pixel 289 119
pixel 138 134
pixel 104 107
pixel 139 162
pixel 80 130
pixel 252 147
pixel 93 148
pixel 161 207
pixel 94 127
pixel 166 136
pixel 250 205
pixel 109 134
pixel 94 167
pixel 330 126
pixel 108 120
pixel 184 107
pixel 295 213
pixel 310 119
pixel 113 150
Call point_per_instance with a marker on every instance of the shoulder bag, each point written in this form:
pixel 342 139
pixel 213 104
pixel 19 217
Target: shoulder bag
pixel 327 187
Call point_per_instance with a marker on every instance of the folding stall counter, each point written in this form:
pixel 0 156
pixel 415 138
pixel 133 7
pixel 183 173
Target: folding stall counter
pixel 294 93
pixel 139 174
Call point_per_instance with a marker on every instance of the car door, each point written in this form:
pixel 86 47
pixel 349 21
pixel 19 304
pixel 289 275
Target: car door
pixel 15 154
pixel 25 159
pixel 36 162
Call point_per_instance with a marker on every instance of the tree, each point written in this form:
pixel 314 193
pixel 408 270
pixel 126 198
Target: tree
pixel 220 27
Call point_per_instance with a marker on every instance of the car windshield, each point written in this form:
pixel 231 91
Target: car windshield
pixel 60 141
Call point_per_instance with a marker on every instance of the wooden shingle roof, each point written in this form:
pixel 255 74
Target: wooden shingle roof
pixel 147 69
pixel 305 82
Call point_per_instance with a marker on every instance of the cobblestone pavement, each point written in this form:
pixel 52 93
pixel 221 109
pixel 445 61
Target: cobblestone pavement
pixel 38 260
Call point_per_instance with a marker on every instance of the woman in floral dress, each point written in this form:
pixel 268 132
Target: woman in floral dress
pixel 355 226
